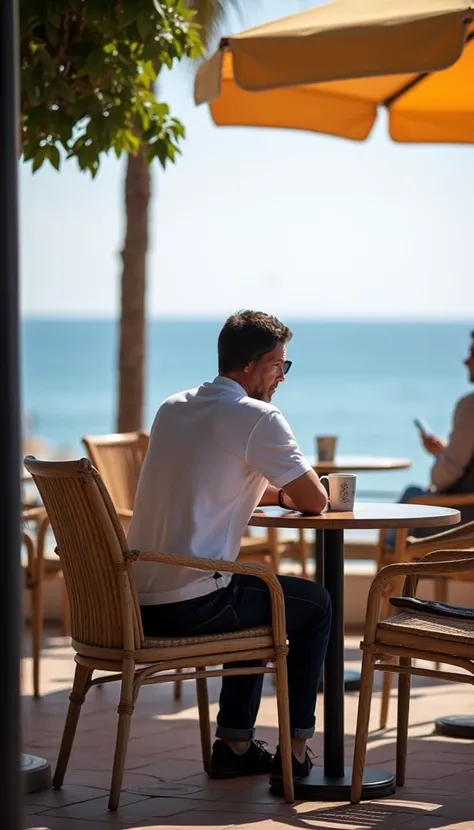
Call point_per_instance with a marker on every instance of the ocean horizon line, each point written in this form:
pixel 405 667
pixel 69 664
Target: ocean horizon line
pixel 216 318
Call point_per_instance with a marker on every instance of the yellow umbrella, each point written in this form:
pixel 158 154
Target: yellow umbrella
pixel 329 69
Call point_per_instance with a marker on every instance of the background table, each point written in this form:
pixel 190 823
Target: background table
pixel 333 783
pixel 359 464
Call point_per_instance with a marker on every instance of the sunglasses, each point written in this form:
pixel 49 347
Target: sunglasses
pixel 286 366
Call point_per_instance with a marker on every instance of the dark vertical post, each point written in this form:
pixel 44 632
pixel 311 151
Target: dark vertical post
pixel 319 557
pixel 334 665
pixel 10 507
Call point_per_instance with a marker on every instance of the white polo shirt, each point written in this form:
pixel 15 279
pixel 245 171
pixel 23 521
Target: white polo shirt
pixel 212 452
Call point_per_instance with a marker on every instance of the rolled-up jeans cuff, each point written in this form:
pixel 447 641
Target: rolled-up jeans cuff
pixel 303 734
pixel 227 733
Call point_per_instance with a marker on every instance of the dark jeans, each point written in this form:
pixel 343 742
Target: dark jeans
pixel 245 603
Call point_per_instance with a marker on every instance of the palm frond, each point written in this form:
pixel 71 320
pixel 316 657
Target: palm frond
pixel 212 14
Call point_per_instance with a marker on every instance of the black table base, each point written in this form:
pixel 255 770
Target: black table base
pixel 351 681
pixel 334 782
pixel 320 787
pixel 455 726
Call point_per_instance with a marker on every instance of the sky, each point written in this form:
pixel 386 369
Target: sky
pixel 288 222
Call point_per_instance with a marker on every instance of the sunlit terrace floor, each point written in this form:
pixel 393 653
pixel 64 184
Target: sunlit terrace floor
pixel 164 750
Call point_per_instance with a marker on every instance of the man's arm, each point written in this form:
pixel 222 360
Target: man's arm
pixel 270 496
pixel 453 460
pixel 306 491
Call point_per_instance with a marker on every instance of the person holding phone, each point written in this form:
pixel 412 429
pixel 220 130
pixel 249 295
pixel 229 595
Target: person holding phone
pixel 453 468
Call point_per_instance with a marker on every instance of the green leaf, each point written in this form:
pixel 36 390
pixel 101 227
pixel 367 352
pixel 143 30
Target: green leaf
pixel 52 34
pixel 52 154
pixel 47 61
pixel 144 24
pixel 95 63
pixel 64 90
pixel 54 16
pixel 39 158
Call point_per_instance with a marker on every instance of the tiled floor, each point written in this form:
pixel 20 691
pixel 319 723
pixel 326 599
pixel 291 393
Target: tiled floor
pixel 164 751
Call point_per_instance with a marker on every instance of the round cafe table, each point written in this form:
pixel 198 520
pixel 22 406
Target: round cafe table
pixel 334 781
pixel 359 464
pixel 353 464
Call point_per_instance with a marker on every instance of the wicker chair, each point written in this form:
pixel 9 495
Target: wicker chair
pixel 118 458
pixel 38 569
pixel 411 549
pixel 106 624
pixel 410 635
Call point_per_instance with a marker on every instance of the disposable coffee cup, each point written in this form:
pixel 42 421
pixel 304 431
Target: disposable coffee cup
pixel 326 447
pixel 342 490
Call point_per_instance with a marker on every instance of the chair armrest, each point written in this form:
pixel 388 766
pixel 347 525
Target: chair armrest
pixel 412 571
pixel 446 555
pixel 461 533
pixel 33 514
pixel 221 566
pixel 443 499
pixel 411 582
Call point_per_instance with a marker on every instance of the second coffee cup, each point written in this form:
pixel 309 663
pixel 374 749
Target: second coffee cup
pixel 326 447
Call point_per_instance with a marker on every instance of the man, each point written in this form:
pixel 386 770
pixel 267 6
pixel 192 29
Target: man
pixel 453 469
pixel 215 453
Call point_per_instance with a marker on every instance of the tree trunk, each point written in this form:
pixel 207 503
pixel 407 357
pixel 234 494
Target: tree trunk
pixel 132 321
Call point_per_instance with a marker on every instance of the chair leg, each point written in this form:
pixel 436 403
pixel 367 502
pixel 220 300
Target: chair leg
pixel 403 709
pixel 385 610
pixel 284 734
pixel 125 712
pixel 440 595
pixel 303 553
pixel 204 722
pixel 82 678
pixel 37 632
pixel 178 685
pixel 362 729
pixel 385 700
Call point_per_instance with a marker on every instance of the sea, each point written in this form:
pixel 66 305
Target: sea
pixel 362 381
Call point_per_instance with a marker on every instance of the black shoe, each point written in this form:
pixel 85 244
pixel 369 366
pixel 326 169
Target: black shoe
pixel 300 769
pixel 227 764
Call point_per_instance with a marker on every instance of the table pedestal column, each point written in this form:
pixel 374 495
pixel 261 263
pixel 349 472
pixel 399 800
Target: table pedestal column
pixel 351 677
pixel 333 783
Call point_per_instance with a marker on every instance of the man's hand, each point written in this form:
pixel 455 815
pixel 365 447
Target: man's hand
pixel 433 445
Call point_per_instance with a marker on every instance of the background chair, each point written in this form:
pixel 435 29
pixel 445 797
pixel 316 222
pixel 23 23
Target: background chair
pixel 412 549
pixel 409 635
pixel 107 633
pixel 118 458
pixel 38 569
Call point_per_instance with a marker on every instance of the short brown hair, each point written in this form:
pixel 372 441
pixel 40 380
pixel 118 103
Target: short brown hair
pixel 246 336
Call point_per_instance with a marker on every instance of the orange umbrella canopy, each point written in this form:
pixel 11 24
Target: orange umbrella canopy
pixel 329 69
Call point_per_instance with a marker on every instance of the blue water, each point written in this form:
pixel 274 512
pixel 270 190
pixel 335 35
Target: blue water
pixel 364 382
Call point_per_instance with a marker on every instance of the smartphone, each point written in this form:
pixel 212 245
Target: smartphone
pixel 423 427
